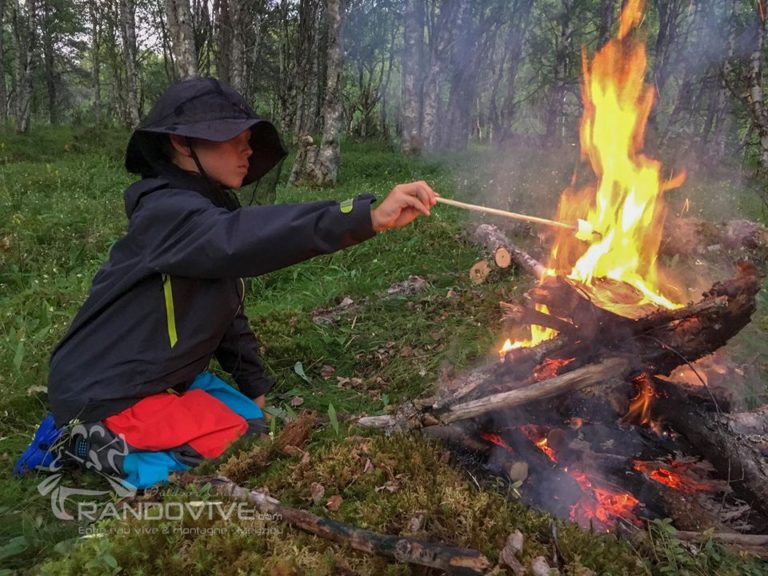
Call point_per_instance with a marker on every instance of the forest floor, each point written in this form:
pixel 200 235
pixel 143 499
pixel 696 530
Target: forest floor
pixel 60 211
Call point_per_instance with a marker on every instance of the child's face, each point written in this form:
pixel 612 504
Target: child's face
pixel 225 162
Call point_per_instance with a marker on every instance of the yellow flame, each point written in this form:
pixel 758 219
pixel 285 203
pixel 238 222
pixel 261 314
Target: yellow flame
pixel 625 206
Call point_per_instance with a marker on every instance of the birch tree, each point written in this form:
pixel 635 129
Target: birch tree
pixel 320 166
pixel 441 36
pixel 96 32
pixel 128 32
pixel 754 95
pixel 49 34
pixel 326 167
pixel 24 24
pixel 410 103
pixel 182 37
pixel 3 89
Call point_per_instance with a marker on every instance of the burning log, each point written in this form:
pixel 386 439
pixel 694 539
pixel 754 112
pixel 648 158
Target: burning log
pixel 606 348
pixel 736 444
pixel 590 375
pixel 452 560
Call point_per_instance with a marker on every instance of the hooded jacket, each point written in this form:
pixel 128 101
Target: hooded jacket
pixel 170 296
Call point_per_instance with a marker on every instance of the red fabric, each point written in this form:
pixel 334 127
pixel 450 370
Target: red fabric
pixel 165 421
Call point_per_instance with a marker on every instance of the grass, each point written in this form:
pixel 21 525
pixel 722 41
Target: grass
pixel 60 211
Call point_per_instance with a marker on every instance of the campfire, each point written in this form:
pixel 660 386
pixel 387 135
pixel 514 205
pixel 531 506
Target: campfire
pixel 600 413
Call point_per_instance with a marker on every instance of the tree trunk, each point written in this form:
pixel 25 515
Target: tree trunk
pixel 669 15
pixel 555 121
pixel 236 75
pixel 287 87
pixel 49 37
pixel 717 148
pixel 3 89
pixel 128 32
pixel 306 67
pixel 224 33
pixel 410 105
pixel 327 164
pixel 755 94
pixel 182 37
pixel 24 31
pixel 440 39
pixel 384 88
pixel 607 18
pixel 95 16
pixel 518 29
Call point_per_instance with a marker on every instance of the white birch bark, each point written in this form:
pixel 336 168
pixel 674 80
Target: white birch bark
pixel 24 31
pixel 327 164
pixel 182 39
pixel 755 94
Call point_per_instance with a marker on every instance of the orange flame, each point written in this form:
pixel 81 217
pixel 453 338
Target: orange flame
pixel 598 503
pixel 626 204
pixel 640 406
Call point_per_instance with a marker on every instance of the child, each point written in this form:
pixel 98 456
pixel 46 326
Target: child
pixel 129 380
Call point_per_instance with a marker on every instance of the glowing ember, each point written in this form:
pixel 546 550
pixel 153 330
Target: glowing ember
pixel 538 436
pixel 498 440
pixel 601 504
pixel 598 504
pixel 550 367
pixel 679 475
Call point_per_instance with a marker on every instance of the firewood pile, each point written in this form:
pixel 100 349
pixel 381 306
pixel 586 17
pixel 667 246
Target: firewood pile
pixel 572 419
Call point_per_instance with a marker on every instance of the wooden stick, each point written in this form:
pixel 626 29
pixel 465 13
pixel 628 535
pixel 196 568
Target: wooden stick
pixel 452 560
pixel 726 537
pixel 589 375
pixel 507 214
pixel 756 544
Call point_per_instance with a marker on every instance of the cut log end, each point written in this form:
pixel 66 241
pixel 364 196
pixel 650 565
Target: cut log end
pixel 479 272
pixel 502 257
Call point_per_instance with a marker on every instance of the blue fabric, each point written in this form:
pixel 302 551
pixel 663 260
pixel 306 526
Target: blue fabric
pixel 234 399
pixel 39 453
pixel 145 469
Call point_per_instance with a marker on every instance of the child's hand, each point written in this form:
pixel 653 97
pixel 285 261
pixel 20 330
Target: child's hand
pixel 403 205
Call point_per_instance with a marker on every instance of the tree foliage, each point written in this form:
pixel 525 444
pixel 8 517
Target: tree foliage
pixel 429 74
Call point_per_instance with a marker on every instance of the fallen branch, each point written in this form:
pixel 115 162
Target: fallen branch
pixel 452 560
pixel 756 544
pixel 590 375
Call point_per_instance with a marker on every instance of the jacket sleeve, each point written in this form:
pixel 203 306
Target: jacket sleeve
pixel 183 233
pixel 238 354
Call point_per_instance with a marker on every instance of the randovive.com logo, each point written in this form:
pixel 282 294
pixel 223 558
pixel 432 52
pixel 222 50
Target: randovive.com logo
pixel 94 448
